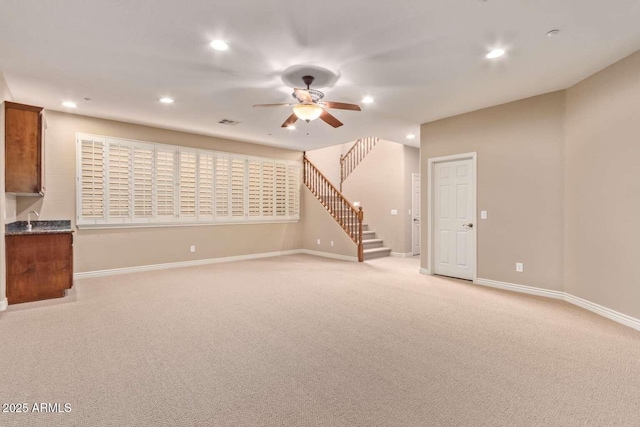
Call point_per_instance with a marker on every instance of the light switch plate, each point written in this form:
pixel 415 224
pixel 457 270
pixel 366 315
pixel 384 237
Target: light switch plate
pixel 394 211
pixel 519 267
pixel 483 214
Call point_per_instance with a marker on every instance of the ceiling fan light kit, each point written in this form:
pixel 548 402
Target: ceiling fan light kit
pixel 307 112
pixel 311 106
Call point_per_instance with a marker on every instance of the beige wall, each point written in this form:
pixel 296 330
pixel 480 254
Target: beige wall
pixel 5 95
pixel 116 248
pixel 381 183
pixel 559 178
pixel 317 224
pixel 520 183
pixel 327 160
pixel 603 188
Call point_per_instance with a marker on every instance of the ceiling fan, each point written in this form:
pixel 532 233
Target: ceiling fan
pixel 310 106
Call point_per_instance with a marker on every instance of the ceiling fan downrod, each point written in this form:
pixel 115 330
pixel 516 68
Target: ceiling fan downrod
pixel 308 80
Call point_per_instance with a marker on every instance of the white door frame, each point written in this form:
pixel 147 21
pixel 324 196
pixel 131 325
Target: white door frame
pixel 431 162
pixel 415 177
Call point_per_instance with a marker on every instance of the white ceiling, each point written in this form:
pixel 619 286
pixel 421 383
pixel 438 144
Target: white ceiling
pixel 420 59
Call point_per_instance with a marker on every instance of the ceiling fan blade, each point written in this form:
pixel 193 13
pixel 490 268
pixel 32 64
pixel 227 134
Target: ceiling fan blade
pixel 290 121
pixel 340 105
pixel 274 105
pixel 303 95
pixel 328 118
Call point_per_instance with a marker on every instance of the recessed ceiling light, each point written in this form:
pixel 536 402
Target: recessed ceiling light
pixel 219 45
pixel 69 104
pixel 495 53
pixel 411 136
pixel 291 127
pixel 367 100
pixel 553 33
pixel 166 100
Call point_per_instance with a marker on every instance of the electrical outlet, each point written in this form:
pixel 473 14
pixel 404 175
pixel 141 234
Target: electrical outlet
pixel 483 214
pixel 318 241
pixel 332 243
pixel 519 267
pixel 193 248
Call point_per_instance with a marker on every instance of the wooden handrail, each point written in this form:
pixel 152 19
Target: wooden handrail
pixel 354 156
pixel 348 216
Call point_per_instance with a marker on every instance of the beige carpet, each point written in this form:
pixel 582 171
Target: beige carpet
pixel 304 341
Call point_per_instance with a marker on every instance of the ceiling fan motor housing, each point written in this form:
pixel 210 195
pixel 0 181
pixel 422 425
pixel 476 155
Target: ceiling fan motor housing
pixel 316 95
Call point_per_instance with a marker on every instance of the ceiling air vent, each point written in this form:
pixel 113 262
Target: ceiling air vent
pixel 228 122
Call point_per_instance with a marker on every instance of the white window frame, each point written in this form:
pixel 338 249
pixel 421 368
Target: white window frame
pixel 175 219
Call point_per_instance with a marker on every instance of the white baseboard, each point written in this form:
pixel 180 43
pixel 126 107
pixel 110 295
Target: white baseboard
pixel 401 254
pixel 616 316
pixel 137 269
pixel 4 304
pixel 329 255
pixel 114 271
pixel 425 271
pixel 520 288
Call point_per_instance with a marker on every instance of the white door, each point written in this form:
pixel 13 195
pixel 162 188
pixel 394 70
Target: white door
pixel 454 219
pixel 415 213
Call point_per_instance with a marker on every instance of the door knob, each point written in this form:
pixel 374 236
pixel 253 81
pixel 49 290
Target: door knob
pixel 470 225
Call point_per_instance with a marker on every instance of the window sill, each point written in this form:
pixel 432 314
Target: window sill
pixel 181 224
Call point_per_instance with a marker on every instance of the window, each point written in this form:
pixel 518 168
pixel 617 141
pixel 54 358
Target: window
pixel 131 183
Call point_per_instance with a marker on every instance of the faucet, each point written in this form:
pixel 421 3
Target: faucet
pixel 29 219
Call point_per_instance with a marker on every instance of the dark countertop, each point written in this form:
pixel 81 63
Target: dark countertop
pixel 38 227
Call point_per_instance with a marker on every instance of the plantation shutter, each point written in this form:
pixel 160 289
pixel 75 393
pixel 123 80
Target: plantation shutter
pixel 222 177
pixel 142 182
pixel 165 183
pixel 254 184
pixel 237 187
pixel 293 190
pixel 188 185
pixel 119 194
pixel 91 179
pixel 281 189
pixel 123 182
pixel 205 186
pixel 268 188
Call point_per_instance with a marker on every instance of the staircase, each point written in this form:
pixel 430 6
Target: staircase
pixel 345 214
pixel 373 247
pixel 348 216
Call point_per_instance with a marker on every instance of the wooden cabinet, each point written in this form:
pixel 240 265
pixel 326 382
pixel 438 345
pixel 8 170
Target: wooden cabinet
pixel 24 149
pixel 39 266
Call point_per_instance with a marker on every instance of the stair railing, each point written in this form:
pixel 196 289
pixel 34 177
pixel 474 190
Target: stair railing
pixel 348 216
pixel 354 156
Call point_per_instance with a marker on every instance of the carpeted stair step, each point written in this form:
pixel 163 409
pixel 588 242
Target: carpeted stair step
pixel 376 253
pixel 368 235
pixel 372 243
